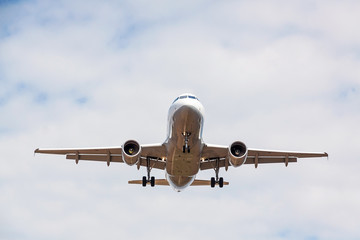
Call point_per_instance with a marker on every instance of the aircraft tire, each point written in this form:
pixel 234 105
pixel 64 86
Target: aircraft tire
pixel 144 181
pixel 152 181
pixel 221 182
pixel 212 182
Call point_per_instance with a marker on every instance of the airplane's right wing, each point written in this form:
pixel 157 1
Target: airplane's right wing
pixel 216 155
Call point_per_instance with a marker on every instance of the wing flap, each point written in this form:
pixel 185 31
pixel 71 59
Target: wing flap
pixel 113 158
pixel 261 160
pixel 211 164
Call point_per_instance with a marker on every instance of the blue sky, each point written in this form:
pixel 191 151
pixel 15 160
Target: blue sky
pixel 274 74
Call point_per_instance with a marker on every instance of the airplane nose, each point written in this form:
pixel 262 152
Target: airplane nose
pixel 188 114
pixel 188 109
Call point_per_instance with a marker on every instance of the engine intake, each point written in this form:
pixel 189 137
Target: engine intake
pixel 131 152
pixel 237 154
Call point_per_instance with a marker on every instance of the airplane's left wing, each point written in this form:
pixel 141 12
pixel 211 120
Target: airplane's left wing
pixel 112 154
pixel 217 156
pixel 259 156
pixel 153 154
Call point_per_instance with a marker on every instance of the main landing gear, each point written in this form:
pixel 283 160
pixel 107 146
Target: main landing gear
pixel 186 147
pixel 148 179
pixel 216 179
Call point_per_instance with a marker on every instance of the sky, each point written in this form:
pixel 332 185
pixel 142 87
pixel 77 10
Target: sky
pixel 274 74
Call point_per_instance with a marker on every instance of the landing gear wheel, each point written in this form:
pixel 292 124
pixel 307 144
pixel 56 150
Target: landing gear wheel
pixel 212 182
pixel 147 179
pixel 186 149
pixel 152 181
pixel 144 181
pixel 221 182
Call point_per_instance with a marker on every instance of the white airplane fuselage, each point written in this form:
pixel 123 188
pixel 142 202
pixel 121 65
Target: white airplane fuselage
pixel 184 141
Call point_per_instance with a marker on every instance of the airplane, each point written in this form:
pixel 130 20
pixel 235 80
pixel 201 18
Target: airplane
pixel 184 153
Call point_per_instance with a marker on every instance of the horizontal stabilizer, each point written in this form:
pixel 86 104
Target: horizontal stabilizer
pixel 198 182
pixel 160 182
pixel 164 182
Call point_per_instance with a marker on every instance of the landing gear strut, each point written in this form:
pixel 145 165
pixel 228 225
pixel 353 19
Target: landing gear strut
pixel 149 179
pixel 186 146
pixel 216 179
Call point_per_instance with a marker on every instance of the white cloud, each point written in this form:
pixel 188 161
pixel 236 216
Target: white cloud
pixel 274 74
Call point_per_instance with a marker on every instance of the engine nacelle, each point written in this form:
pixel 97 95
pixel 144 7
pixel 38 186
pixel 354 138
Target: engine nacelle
pixel 131 152
pixel 237 154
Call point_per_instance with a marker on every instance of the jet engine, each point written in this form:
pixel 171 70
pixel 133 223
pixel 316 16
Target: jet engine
pixel 237 154
pixel 131 152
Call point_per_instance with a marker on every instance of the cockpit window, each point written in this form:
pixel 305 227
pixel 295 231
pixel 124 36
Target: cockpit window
pixel 193 97
pixel 186 96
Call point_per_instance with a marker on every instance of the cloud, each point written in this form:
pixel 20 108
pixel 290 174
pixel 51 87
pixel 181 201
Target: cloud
pixel 277 75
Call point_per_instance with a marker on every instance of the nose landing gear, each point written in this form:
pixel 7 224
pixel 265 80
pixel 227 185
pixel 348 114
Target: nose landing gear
pixel 186 147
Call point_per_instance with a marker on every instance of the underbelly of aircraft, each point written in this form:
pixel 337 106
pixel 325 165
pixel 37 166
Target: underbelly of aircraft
pixel 183 160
